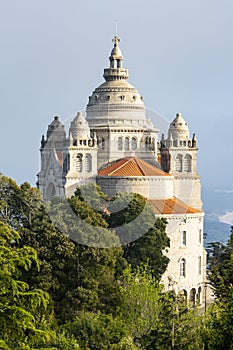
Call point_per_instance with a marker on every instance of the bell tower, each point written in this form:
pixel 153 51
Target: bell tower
pixel 179 158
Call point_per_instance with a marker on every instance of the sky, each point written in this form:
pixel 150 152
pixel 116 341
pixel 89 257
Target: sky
pixel 179 55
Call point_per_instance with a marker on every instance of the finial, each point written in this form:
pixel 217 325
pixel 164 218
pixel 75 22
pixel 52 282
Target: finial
pixel 116 40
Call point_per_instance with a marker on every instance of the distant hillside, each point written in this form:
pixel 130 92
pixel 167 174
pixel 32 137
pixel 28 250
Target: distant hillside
pixel 216 231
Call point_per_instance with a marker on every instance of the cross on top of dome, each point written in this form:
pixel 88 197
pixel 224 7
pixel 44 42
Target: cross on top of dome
pixel 116 40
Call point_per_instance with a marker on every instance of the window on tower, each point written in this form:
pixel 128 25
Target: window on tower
pixel 88 163
pixel 119 143
pixel 134 143
pixel 127 143
pixel 178 163
pixel 187 163
pixel 182 267
pixel 103 144
pixel 79 163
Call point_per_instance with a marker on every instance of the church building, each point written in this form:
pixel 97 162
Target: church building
pixel 116 145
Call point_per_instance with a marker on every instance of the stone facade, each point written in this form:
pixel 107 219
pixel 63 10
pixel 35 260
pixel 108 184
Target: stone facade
pixel 117 128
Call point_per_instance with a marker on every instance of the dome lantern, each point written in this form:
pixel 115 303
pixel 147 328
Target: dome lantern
pixel 116 70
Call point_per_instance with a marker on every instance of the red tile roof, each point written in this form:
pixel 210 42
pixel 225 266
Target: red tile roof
pixel 171 206
pixel 131 166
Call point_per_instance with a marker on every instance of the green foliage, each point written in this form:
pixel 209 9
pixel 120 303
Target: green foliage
pixel 23 312
pixel 99 332
pixel 218 327
pixel 78 277
pixel 217 332
pixel 221 267
pixel 105 307
pixel 92 195
pixel 144 238
pixel 143 303
pixel 61 342
pixel 17 203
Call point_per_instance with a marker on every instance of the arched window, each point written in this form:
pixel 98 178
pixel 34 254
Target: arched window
pixel 133 143
pixel 182 267
pixel 87 163
pixel 192 297
pixel 182 296
pixel 119 143
pixel 79 163
pixel 126 143
pixel 187 163
pixel 178 163
pixel 50 191
pixel 148 143
pixel 199 296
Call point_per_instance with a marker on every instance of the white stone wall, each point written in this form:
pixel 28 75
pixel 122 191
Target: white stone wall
pixel 133 144
pixel 188 190
pixel 192 252
pixel 159 187
pixel 50 177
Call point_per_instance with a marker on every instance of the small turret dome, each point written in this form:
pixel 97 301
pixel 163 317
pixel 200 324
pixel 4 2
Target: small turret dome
pixel 116 52
pixel 79 128
pixel 179 128
pixel 56 131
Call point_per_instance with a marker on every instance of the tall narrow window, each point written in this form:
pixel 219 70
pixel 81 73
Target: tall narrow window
pixel 199 265
pixel 182 267
pixel 119 143
pixel 65 165
pixel 200 235
pixel 126 143
pixel 183 237
pixel 79 162
pixel 103 144
pixel 187 163
pixel 178 164
pixel 148 143
pixel 134 143
pixel 87 163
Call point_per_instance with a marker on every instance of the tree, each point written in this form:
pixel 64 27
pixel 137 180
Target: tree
pixel 25 315
pixel 220 270
pixel 99 332
pixel 142 235
pixel 77 276
pixel 150 314
pixel 217 332
pixel 144 305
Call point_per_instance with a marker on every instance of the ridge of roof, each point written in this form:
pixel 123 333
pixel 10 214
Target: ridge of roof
pixel 123 164
pixel 138 164
pixel 131 166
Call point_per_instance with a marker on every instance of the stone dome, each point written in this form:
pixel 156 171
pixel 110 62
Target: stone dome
pixel 79 127
pixel 116 101
pixel 116 51
pixel 178 128
pixel 56 130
